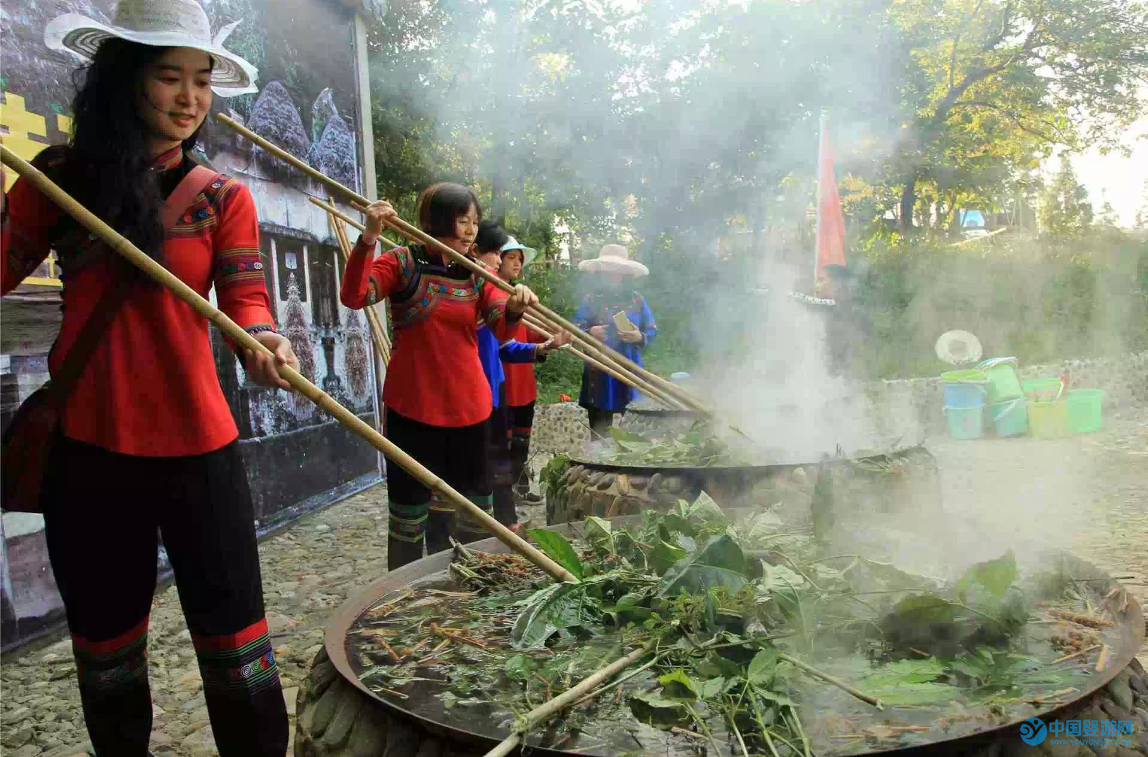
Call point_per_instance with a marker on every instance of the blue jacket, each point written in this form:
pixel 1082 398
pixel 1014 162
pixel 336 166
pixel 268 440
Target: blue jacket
pixel 601 390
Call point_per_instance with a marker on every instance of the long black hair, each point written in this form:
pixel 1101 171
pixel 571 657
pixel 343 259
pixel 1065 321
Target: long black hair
pixel 106 165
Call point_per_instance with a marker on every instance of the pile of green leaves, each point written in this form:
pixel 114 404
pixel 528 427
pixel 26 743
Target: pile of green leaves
pixel 696 448
pixel 729 610
pixel 727 604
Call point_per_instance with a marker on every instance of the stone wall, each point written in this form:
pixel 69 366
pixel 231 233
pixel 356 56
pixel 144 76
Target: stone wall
pixel 897 406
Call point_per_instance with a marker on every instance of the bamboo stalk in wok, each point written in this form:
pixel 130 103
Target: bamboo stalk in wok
pixel 382 344
pixel 181 290
pixel 674 395
pixel 532 323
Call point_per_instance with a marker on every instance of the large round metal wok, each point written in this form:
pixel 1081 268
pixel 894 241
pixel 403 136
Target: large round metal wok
pixel 591 486
pixel 485 733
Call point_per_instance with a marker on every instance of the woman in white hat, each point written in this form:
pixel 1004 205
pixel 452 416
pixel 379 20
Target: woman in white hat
pixel 613 273
pixel 147 441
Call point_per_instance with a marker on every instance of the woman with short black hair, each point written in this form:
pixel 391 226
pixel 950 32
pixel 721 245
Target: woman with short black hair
pixel 436 396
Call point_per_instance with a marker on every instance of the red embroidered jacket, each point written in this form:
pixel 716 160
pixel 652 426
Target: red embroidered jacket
pixel 521 387
pixel 150 388
pixel 435 376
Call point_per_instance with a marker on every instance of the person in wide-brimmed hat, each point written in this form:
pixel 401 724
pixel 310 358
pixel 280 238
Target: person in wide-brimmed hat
pixel 613 272
pixel 146 426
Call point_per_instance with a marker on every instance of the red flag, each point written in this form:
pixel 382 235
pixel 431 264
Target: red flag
pixel 830 220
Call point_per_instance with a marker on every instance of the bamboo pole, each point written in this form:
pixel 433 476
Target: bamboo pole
pixel 345 244
pixel 650 383
pixel 541 326
pixel 382 344
pixel 547 710
pixel 602 351
pixel 325 402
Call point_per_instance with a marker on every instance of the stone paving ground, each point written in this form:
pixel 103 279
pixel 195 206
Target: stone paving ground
pixel 1086 493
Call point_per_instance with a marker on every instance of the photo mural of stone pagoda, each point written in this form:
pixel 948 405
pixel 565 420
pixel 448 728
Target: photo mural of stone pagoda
pixel 308 102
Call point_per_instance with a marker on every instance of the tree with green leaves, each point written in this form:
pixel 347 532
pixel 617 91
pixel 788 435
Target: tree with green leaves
pixel 1064 206
pixel 1002 81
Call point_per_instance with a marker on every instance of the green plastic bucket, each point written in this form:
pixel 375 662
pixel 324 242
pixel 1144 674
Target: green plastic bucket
pixel 1010 418
pixel 1041 390
pixel 1048 419
pixel 1082 416
pixel 966 422
pixel 1003 382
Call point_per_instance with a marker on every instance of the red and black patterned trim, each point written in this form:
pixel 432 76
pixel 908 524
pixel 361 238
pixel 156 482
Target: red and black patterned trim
pixel 104 666
pixel 242 661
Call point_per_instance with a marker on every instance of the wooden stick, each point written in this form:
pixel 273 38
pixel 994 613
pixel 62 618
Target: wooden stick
pixel 539 328
pixel 553 322
pixel 544 712
pixel 1074 655
pixel 537 324
pixel 346 247
pixel 603 352
pixel 382 344
pixel 830 679
pixel 325 402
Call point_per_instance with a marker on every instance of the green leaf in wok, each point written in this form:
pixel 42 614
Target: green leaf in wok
pixel 519 667
pixel 678 685
pixel 995 575
pixel 557 607
pixel 559 550
pixel 763 667
pixel 658 711
pixel 629 441
pixel 664 555
pixel 719 562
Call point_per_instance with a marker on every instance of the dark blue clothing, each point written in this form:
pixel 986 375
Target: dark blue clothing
pixel 601 390
pixel 492 356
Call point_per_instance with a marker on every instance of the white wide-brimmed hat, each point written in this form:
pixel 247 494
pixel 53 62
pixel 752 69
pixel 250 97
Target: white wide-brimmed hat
pixel 160 23
pixel 614 258
pixel 957 347
pixel 528 253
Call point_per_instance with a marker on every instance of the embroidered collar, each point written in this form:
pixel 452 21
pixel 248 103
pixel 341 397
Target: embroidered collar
pixel 169 160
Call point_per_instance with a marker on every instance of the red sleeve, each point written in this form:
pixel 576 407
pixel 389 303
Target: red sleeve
pixel 366 282
pixel 29 218
pixel 492 310
pixel 237 267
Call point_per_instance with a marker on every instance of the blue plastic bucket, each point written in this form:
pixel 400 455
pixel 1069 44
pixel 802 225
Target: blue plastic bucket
pixel 1010 418
pixel 966 422
pixel 965 389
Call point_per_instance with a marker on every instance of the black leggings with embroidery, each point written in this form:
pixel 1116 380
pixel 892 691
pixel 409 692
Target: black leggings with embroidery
pixel 456 455
pixel 104 513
